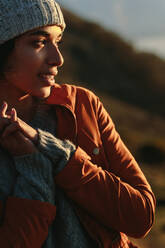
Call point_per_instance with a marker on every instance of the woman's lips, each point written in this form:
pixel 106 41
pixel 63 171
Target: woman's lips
pixel 48 79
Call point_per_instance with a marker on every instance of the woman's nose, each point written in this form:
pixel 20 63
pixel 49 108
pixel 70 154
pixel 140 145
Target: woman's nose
pixel 55 57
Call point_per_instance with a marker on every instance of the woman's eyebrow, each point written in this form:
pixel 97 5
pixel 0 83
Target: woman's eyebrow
pixel 43 33
pixel 40 32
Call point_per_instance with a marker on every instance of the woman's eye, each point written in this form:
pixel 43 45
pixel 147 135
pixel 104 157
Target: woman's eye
pixel 41 43
pixel 38 43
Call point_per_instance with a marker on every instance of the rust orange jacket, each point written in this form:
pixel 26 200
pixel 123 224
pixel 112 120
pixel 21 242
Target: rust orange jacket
pixel 109 191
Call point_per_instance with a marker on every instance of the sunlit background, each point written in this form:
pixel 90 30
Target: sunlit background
pixel 140 21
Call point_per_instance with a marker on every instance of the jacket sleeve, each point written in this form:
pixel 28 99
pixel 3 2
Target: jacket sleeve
pixel 119 197
pixel 25 222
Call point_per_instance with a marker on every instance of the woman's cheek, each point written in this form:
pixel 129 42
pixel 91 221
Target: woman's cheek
pixel 34 61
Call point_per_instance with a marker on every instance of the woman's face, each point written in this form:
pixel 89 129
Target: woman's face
pixel 33 64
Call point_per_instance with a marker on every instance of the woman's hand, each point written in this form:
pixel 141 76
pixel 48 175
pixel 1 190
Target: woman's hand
pixel 16 136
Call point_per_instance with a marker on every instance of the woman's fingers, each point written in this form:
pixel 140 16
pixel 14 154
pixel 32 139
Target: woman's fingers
pixel 10 123
pixel 4 122
pixel 15 142
pixel 6 117
pixel 13 125
pixel 3 109
pixel 13 115
pixel 11 128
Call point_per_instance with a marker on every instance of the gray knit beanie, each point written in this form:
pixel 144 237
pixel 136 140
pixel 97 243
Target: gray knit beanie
pixel 20 16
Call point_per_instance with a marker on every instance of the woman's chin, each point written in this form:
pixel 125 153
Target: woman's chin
pixel 42 93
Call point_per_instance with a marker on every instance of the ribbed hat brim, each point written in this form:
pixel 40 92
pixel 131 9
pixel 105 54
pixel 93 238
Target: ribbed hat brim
pixel 20 16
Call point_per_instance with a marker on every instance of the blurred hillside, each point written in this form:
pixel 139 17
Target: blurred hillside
pixel 106 62
pixel 132 87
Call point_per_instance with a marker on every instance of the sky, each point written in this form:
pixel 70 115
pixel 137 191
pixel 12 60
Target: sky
pixel 142 22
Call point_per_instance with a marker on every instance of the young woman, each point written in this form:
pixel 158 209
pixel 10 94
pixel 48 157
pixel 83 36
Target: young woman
pixel 67 179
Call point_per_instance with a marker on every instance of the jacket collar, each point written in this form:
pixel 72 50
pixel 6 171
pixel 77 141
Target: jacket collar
pixel 64 95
